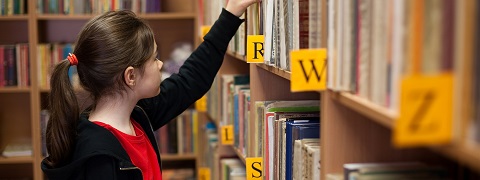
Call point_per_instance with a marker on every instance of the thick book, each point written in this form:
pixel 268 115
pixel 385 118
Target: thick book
pixel 295 129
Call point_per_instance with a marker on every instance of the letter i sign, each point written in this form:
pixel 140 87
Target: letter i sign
pixel 309 70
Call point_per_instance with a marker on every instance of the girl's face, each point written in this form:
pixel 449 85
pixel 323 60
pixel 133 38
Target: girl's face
pixel 149 83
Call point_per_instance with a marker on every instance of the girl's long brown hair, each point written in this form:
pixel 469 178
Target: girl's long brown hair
pixel 105 47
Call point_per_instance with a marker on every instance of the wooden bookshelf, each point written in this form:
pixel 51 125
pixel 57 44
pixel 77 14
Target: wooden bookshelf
pixel 14 18
pixel 16 160
pixel 277 71
pixel 15 89
pixel 377 113
pixel 21 106
pixel 175 157
pixel 239 154
pixel 460 152
pixel 236 56
pixel 355 129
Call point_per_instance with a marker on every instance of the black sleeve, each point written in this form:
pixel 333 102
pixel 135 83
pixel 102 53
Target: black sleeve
pixel 195 77
pixel 100 168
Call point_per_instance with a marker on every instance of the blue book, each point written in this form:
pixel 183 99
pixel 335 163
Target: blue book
pixel 239 82
pixel 296 129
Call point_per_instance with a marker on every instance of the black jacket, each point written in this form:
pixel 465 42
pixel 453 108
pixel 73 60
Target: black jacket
pixel 99 155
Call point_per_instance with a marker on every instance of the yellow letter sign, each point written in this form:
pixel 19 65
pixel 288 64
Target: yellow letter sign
pixel 255 49
pixel 227 135
pixel 254 168
pixel 309 70
pixel 203 173
pixel 205 30
pixel 201 104
pixel 426 111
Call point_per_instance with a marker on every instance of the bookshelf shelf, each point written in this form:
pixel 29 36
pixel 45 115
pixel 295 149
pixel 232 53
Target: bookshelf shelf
pixel 211 119
pixel 174 157
pixel 168 16
pixel 462 153
pixel 239 154
pixel 44 90
pixel 14 89
pixel 63 17
pixel 236 56
pixel 377 113
pixel 277 71
pixel 16 160
pixel 14 18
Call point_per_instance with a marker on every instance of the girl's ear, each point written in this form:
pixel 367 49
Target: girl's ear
pixel 129 76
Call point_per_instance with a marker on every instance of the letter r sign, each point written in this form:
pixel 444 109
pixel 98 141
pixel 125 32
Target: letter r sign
pixel 255 49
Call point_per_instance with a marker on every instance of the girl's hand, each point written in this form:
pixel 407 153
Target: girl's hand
pixel 238 7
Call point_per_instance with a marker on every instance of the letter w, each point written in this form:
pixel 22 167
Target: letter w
pixel 314 70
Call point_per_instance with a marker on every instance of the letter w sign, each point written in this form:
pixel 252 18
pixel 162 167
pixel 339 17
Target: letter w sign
pixel 309 70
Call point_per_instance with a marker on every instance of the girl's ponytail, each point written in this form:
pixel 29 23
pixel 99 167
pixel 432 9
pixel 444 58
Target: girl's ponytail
pixel 64 116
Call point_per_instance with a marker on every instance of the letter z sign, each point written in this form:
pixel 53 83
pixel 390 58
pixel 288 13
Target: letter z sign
pixel 309 70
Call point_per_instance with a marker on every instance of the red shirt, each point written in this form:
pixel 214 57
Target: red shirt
pixel 139 149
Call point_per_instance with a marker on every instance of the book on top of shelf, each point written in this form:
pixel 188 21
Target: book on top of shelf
pixel 306 158
pixel 230 164
pixel 18 147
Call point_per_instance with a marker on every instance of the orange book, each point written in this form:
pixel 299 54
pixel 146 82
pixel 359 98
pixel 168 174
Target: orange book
pixel 416 36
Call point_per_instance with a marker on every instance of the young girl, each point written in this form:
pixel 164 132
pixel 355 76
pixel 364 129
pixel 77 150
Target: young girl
pixel 115 58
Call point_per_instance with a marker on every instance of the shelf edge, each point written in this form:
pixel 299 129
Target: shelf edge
pixel 377 113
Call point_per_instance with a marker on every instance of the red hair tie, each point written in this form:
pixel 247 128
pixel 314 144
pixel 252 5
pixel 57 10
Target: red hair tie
pixel 73 59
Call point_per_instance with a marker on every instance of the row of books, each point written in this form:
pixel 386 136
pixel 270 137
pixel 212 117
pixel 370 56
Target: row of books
pixel 13 7
pixel 48 55
pixel 179 136
pixel 280 124
pixel 96 6
pixel 286 25
pixel 14 65
pixel 373 43
pixel 374 47
pixel 274 130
